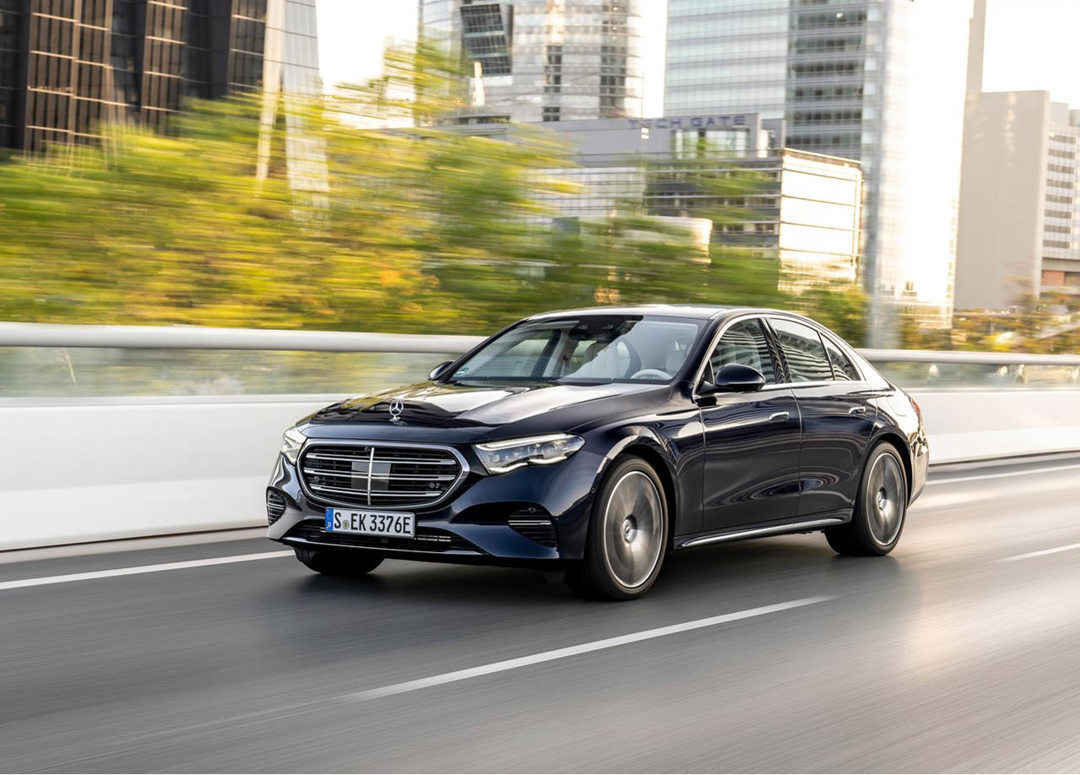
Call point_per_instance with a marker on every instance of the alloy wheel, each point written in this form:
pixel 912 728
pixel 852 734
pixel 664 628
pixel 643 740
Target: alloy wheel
pixel 633 530
pixel 885 491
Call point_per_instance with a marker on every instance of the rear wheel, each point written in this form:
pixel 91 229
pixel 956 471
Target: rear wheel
pixel 336 562
pixel 880 508
pixel 627 535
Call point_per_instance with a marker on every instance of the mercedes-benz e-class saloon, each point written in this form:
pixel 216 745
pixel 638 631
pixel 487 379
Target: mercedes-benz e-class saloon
pixel 597 441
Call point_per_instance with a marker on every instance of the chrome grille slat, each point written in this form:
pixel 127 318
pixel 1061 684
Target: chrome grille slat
pixel 378 474
pixel 376 493
pixel 397 478
pixel 412 461
pixel 391 494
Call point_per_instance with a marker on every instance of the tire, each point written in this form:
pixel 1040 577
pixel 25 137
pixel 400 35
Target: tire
pixel 880 507
pixel 332 562
pixel 628 534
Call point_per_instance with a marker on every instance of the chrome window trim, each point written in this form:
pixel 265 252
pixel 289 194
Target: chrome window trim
pixel 310 443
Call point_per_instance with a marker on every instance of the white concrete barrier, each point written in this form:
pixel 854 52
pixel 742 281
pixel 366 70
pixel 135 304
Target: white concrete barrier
pixel 969 425
pixel 123 468
pixel 118 469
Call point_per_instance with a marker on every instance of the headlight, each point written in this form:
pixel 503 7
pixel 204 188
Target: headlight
pixel 291 442
pixel 499 457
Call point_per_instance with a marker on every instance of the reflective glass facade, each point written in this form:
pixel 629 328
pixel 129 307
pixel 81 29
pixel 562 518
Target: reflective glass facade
pixel 547 60
pixel 66 66
pixel 12 68
pixel 881 81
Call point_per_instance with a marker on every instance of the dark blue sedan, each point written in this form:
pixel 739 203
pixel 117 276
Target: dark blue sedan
pixel 596 441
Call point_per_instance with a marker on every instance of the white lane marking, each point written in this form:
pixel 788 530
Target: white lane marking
pixel 1041 553
pixel 138 569
pixel 980 477
pixel 571 651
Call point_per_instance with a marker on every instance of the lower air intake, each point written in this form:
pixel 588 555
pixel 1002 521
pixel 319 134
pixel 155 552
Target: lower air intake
pixel 275 506
pixel 536 529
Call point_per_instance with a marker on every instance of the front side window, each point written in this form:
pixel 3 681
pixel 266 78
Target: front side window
pixel 803 351
pixel 593 349
pixel 745 343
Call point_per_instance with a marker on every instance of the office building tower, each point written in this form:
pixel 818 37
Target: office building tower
pixel 880 81
pixel 1019 200
pixel 67 66
pixel 546 60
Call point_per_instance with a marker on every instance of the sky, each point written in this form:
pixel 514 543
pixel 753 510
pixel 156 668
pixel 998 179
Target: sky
pixel 1030 44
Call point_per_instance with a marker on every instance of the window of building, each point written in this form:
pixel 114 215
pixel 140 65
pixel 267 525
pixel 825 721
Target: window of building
pixel 550 113
pixel 553 70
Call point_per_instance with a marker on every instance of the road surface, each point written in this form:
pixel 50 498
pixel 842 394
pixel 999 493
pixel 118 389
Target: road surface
pixel 960 652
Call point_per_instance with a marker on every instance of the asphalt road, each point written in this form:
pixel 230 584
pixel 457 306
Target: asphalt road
pixel 960 652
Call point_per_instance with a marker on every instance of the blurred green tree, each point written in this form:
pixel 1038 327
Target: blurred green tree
pixel 423 227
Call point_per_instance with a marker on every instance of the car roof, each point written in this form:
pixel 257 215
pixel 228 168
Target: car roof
pixel 693 311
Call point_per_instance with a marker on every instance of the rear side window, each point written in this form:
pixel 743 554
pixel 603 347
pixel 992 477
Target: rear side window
pixel 843 369
pixel 745 343
pixel 803 351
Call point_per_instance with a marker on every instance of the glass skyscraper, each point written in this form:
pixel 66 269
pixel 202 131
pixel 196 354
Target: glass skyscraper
pixel 881 81
pixel 546 60
pixel 66 66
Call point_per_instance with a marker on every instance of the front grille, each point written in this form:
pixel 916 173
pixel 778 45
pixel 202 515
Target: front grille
pixel 427 539
pixel 381 476
pixel 538 529
pixel 275 506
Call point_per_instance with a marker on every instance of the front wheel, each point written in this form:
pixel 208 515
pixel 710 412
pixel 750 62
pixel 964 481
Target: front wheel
pixel 331 562
pixel 627 535
pixel 880 508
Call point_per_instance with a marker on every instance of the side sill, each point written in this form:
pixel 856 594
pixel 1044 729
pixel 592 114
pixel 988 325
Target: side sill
pixel 799 526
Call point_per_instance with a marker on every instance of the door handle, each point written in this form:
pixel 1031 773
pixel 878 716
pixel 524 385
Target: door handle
pixel 857 410
pixel 777 416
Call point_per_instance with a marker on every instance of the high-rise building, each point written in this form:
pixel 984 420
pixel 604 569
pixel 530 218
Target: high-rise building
pixel 546 60
pixel 67 66
pixel 1019 200
pixel 880 81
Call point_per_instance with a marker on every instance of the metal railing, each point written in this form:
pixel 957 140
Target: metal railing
pixel 57 361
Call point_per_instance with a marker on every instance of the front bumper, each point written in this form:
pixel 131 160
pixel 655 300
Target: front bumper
pixel 474 525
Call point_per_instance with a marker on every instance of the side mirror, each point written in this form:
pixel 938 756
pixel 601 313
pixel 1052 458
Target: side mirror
pixel 735 378
pixel 439 370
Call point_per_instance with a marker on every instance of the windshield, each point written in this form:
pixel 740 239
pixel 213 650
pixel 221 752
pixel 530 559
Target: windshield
pixel 593 349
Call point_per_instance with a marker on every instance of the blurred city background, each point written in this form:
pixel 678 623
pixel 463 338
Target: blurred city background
pixel 461 164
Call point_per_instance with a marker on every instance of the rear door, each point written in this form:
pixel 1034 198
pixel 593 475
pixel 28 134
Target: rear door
pixel 837 413
pixel 751 471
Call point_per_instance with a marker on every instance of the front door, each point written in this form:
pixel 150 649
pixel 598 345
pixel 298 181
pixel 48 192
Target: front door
pixel 751 439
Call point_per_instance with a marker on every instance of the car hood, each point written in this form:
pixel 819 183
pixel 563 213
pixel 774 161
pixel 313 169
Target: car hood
pixel 465 405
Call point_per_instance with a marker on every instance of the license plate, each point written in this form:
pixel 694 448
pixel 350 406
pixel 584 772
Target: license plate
pixel 395 524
